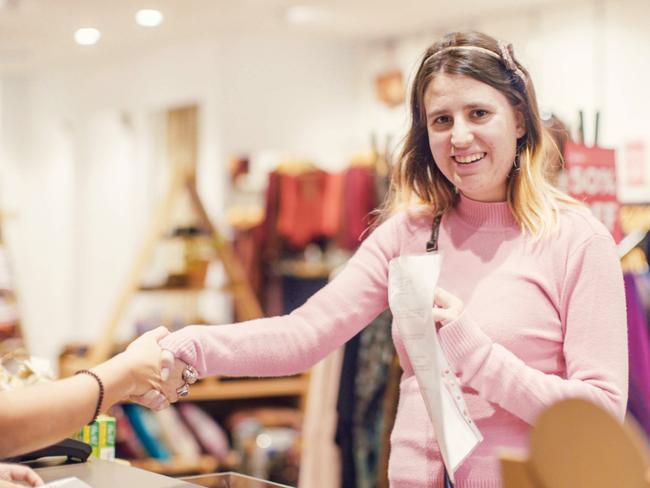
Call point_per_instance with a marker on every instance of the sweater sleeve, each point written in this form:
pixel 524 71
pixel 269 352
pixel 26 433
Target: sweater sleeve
pixel 291 343
pixel 594 346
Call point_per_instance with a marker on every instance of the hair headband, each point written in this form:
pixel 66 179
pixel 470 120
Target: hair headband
pixel 506 56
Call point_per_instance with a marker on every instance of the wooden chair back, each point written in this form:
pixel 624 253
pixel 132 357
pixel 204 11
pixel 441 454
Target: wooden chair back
pixel 576 444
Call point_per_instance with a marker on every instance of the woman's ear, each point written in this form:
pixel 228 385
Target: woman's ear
pixel 521 124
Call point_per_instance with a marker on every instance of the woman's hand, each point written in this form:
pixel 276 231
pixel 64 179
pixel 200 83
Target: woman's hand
pixel 19 474
pixel 151 385
pixel 172 371
pixel 172 379
pixel 446 307
pixel 176 367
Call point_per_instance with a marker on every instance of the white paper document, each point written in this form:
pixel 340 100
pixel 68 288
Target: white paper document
pixel 412 283
pixel 67 483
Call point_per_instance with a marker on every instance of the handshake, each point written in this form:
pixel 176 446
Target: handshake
pixel 36 416
pixel 153 376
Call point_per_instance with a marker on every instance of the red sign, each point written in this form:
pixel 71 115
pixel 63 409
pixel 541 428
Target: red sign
pixel 591 178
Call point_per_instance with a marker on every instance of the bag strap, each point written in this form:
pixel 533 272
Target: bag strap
pixel 432 244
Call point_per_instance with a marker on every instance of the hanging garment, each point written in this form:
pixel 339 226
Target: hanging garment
pixel 375 355
pixel 345 411
pixel 269 234
pixel 360 200
pixel 639 353
pixel 642 282
pixel 360 405
pixel 297 290
pixel 301 218
pixel 320 464
pixel 332 204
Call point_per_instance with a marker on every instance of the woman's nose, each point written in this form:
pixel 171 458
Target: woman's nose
pixel 461 135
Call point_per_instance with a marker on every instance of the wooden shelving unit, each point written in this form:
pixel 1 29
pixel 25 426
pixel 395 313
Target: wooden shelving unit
pixel 215 389
pixel 182 150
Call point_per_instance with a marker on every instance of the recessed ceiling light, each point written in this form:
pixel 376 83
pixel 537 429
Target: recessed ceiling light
pixel 149 17
pixel 87 36
pixel 301 14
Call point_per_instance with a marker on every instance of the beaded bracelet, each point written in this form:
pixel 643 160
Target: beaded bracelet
pixel 100 400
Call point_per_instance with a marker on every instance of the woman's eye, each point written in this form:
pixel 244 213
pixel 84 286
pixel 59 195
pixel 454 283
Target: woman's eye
pixel 442 120
pixel 479 113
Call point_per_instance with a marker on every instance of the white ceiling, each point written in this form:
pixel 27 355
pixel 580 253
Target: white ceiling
pixel 38 34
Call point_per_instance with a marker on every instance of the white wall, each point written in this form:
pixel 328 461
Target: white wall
pixel 85 158
pixel 38 185
pixel 291 94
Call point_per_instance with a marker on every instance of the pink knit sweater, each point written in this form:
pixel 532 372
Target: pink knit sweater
pixel 543 321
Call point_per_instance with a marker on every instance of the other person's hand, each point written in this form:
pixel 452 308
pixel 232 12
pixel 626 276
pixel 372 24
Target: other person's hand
pixel 20 474
pixel 143 363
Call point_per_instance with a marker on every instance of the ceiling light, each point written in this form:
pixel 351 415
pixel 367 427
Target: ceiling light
pixel 304 15
pixel 149 17
pixel 87 36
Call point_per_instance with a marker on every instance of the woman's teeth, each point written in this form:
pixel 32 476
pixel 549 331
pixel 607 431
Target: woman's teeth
pixel 469 159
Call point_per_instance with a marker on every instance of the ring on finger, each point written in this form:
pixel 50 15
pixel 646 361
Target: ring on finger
pixel 183 391
pixel 190 375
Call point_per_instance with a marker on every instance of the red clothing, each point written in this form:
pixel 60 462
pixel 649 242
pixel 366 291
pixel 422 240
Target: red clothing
pixel 303 215
pixel 359 201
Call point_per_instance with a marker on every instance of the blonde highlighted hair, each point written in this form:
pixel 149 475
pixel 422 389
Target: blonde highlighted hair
pixel 416 179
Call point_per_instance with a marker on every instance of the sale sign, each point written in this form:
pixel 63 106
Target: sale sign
pixel 591 178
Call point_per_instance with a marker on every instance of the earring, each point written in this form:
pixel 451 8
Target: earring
pixel 516 166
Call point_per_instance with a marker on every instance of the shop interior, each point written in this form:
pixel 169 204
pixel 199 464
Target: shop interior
pixel 221 161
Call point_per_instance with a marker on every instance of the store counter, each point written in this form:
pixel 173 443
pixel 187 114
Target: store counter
pixel 231 480
pixel 106 474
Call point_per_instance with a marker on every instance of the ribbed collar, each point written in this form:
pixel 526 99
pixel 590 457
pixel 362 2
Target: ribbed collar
pixel 492 215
